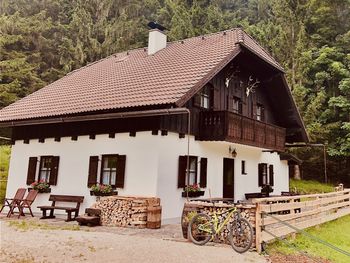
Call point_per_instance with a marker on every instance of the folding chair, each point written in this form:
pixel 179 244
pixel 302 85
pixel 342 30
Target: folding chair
pixel 24 203
pixel 18 196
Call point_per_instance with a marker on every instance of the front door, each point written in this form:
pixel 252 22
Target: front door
pixel 228 177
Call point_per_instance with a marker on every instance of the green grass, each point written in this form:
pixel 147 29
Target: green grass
pixel 336 232
pixel 309 187
pixel 5 152
pixel 25 225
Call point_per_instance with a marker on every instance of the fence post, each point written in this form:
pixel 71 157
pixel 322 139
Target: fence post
pixel 258 228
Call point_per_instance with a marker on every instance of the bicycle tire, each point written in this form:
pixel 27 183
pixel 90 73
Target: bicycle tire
pixel 241 229
pixel 197 221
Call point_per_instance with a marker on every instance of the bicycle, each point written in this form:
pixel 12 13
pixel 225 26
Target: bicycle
pixel 203 228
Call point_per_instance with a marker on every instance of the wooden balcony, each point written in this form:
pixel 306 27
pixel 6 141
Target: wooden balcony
pixel 228 126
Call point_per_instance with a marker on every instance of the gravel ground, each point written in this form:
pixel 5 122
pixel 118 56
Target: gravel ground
pixel 33 240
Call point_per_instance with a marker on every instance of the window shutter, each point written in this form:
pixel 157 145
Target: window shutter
pixel 31 170
pixel 54 170
pixel 203 173
pixel 121 171
pixel 93 164
pixel 261 173
pixel 271 175
pixel 197 100
pixel 181 180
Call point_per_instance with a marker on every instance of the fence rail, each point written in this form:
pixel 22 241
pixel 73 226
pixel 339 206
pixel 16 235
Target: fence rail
pixel 301 212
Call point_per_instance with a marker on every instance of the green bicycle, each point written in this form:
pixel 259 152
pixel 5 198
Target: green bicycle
pixel 203 228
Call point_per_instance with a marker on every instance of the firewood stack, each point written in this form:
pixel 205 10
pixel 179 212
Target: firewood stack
pixel 125 211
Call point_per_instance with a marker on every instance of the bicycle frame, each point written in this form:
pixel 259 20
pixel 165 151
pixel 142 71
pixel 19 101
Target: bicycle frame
pixel 218 227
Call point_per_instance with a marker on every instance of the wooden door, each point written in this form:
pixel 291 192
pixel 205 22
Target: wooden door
pixel 228 178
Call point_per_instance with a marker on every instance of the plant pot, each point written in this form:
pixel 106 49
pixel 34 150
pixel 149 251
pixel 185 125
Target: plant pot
pixel 46 190
pixel 92 193
pixel 193 194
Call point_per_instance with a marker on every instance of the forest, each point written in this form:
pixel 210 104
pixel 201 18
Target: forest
pixel 42 40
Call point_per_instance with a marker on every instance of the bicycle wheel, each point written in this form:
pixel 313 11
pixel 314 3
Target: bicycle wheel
pixel 241 235
pixel 200 229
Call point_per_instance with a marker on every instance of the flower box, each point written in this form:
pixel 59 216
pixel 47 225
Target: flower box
pixel 45 190
pixel 93 193
pixel 193 194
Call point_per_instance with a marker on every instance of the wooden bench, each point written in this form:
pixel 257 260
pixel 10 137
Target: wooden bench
pixel 69 210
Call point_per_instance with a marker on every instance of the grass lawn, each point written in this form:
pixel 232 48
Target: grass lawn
pixel 336 232
pixel 309 187
pixel 5 152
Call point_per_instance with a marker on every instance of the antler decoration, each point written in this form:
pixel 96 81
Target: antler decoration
pixel 251 85
pixel 230 76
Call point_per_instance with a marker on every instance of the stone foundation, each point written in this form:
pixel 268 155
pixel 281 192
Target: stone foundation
pixel 124 211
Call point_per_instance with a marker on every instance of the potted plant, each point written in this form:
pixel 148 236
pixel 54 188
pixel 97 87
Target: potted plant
pixel 193 191
pixel 40 186
pixel 102 190
pixel 266 190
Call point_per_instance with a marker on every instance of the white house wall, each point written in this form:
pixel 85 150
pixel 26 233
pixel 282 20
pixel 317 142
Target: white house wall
pixel 151 167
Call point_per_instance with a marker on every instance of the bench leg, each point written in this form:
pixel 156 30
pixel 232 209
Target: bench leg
pixel 45 216
pixel 69 216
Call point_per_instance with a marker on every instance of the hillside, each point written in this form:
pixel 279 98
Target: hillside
pixel 42 40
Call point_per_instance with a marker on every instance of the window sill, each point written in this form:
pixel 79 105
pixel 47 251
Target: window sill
pixel 193 194
pixel 92 193
pixel 48 190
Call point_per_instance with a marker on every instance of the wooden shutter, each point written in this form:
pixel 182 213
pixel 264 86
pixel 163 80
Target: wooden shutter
pixel 261 173
pixel 197 99
pixel 203 173
pixel 271 175
pixel 54 170
pixel 93 164
pixel 121 171
pixel 181 180
pixel 31 170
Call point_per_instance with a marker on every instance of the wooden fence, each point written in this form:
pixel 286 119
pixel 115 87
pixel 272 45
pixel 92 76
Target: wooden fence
pixel 274 214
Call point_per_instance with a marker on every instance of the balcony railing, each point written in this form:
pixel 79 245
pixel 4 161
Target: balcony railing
pixel 228 126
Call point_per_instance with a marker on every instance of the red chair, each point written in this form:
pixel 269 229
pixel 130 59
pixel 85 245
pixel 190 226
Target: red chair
pixel 11 201
pixel 21 204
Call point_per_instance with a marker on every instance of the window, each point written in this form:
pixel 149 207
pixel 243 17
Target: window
pixel 204 98
pixel 47 172
pixel 237 105
pixel 45 168
pixel 109 169
pixel 112 170
pixel 266 174
pixel 192 173
pixel 260 114
pixel 183 180
pixel 243 168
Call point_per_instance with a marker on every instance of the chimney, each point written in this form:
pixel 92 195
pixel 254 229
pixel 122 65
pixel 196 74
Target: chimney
pixel 156 38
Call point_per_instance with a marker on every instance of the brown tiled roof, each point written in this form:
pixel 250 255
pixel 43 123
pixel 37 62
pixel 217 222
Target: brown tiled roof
pixel 131 79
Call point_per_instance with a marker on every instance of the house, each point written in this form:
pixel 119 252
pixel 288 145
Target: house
pixel 217 103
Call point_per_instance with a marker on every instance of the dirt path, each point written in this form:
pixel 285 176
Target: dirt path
pixel 32 241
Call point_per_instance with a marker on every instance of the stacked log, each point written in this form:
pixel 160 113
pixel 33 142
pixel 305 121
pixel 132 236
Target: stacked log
pixel 125 211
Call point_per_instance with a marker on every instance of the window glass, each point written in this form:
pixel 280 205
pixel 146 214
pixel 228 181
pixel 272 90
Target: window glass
pixel 205 97
pixel 237 105
pixel 260 112
pixel 193 170
pixel 109 169
pixel 243 167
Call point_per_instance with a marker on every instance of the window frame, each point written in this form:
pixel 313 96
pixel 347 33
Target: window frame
pixel 104 156
pixel 237 101
pixel 260 112
pixel 48 170
pixel 243 167
pixel 194 172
